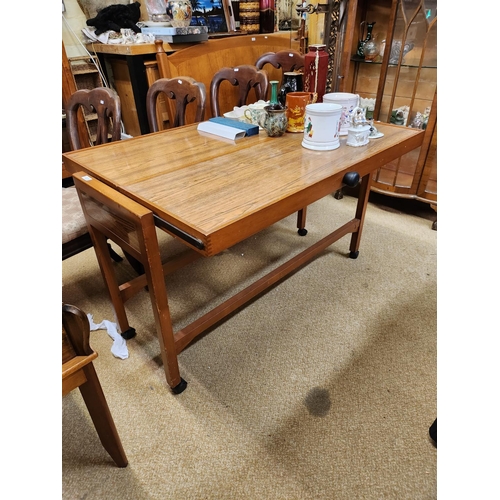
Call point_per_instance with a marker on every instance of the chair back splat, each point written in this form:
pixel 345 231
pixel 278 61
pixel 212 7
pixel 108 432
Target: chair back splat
pixel 183 90
pixel 286 60
pixel 102 101
pixel 246 77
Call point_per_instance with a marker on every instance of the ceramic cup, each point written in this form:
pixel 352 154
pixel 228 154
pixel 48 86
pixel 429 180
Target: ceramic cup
pixel 274 121
pixel 253 114
pixel 322 125
pixel 238 114
pixel 348 102
pixel 255 111
pixel 296 103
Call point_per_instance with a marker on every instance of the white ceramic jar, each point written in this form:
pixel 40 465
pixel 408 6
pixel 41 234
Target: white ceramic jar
pixel 321 126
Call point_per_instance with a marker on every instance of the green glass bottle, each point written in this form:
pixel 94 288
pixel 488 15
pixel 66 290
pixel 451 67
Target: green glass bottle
pixel 273 102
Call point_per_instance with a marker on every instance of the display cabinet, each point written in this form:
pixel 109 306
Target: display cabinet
pixel 396 79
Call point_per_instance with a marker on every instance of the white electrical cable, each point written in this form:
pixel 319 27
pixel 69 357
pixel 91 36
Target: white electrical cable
pixel 92 58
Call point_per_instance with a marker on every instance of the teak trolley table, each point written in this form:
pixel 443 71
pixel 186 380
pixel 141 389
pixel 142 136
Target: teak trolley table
pixel 211 193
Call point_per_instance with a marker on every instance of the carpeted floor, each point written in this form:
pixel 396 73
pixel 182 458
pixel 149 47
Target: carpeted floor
pixel 323 388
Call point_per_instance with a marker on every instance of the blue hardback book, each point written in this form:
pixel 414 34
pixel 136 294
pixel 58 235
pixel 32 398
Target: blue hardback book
pixel 247 127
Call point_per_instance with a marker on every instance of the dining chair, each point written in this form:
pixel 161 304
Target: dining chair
pixel 78 372
pixel 105 103
pixel 245 77
pixel 183 90
pixel 287 60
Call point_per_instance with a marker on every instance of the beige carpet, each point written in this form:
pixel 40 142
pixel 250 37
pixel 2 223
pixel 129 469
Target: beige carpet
pixel 323 388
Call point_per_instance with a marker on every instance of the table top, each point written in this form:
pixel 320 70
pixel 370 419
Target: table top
pixel 222 191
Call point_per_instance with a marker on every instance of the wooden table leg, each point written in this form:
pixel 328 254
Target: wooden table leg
pixel 364 193
pixel 301 221
pixel 108 273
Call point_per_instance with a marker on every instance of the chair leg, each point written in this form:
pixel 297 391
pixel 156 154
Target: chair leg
pixel 101 416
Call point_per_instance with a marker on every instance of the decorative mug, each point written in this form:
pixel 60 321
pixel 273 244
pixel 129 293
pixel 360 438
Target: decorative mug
pixel 348 102
pixel 274 121
pixel 322 126
pixel 296 103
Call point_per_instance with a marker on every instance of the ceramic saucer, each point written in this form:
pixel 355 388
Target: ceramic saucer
pixel 378 135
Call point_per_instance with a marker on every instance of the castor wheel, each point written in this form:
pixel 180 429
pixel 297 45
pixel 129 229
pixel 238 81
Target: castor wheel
pixel 302 231
pixel 351 179
pixel 129 334
pixel 354 255
pixel 180 387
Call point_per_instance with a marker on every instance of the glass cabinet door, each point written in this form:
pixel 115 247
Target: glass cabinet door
pixel 393 68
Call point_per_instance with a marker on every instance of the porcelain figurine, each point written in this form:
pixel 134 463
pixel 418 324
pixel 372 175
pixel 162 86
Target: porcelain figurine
pixel 358 134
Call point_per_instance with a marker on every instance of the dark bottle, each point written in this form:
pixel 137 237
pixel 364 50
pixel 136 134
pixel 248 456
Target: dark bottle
pixel 267 20
pixel 292 82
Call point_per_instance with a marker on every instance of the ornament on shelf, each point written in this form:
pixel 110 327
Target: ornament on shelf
pixel 249 16
pixel 267 16
pixel 361 43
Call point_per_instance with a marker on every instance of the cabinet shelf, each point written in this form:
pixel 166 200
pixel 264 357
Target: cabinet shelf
pixel 402 65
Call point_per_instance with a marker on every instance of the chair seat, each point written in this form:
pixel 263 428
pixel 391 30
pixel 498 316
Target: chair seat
pixel 73 220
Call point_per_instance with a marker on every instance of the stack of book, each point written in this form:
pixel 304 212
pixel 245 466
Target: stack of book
pixel 178 35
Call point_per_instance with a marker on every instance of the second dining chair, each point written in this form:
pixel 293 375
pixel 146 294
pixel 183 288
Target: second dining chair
pixel 245 77
pixel 181 89
pixel 287 60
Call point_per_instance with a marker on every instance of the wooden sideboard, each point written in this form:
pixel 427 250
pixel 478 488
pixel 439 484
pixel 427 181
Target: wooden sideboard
pixel 131 68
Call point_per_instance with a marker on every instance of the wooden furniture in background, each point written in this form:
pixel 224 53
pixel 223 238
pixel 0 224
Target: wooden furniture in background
pixel 204 191
pixel 78 372
pixel 181 90
pixel 246 78
pixel 398 81
pixel 126 63
pixel 163 110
